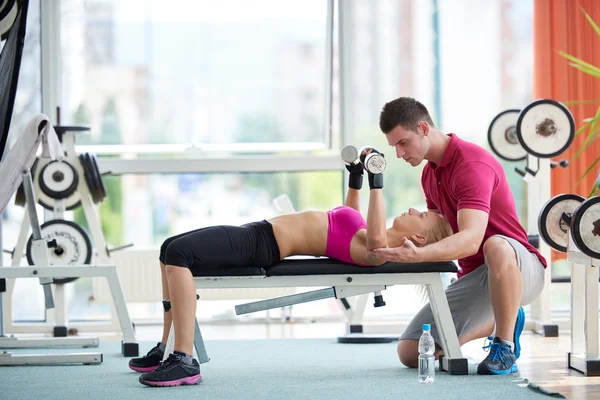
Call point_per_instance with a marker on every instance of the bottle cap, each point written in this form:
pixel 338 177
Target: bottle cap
pixel 426 327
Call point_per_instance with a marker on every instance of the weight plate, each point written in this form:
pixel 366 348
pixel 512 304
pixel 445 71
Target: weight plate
pixel 502 136
pixel 73 245
pixel 58 179
pixel 553 227
pixel 545 128
pixel 98 178
pixel 585 226
pixel 92 177
pixel 8 14
pixel 70 203
pixel 349 154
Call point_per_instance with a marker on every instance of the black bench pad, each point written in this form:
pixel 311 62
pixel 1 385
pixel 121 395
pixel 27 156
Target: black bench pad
pixel 327 266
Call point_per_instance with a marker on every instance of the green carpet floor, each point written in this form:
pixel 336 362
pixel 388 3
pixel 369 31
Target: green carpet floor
pixel 260 369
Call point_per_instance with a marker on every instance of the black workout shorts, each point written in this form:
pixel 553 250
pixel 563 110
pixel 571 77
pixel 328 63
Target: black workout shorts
pixel 249 245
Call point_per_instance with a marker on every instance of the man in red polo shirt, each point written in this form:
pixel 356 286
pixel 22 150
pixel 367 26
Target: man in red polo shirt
pixel 499 270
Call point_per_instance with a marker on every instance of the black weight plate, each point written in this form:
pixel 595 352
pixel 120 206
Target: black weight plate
pixel 73 245
pixel 502 136
pixel 86 164
pixel 98 178
pixel 554 230
pixel 58 179
pixel 585 227
pixel 545 128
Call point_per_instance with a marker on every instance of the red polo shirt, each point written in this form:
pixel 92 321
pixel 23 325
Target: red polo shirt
pixel 470 177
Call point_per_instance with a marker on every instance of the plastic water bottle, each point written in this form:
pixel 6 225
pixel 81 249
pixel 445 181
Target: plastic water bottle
pixel 426 356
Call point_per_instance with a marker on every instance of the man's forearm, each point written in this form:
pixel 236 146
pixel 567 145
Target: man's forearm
pixel 376 232
pixel 353 199
pixel 457 246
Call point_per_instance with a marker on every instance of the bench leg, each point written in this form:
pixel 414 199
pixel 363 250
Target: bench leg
pixel 452 361
pixel 199 345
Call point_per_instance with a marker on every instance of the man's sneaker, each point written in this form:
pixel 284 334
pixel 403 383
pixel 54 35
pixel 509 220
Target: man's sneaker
pixel 149 362
pixel 518 330
pixel 173 372
pixel 500 361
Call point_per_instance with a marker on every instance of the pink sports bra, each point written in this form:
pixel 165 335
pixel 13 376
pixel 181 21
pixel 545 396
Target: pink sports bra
pixel 344 222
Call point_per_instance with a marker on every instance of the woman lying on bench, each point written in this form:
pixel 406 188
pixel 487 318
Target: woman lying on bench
pixel 340 233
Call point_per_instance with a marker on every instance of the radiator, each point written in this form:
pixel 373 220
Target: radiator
pixel 139 273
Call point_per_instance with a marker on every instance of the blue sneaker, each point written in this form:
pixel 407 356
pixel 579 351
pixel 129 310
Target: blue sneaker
pixel 518 330
pixel 500 361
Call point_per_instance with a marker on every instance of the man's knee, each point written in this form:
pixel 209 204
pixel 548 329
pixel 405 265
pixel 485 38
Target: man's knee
pixel 498 253
pixel 408 353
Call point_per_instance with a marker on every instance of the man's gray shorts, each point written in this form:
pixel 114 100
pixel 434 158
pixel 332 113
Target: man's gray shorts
pixel 469 296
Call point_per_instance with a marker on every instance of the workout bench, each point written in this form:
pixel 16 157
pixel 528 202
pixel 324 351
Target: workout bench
pixel 345 280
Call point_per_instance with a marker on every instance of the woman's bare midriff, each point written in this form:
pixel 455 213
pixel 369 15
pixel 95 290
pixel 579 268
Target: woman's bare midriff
pixel 303 233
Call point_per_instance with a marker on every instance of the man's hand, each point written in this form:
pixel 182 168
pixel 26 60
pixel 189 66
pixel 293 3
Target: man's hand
pixel 407 252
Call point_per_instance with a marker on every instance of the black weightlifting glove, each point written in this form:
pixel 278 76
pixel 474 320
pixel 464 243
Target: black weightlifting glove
pixel 375 181
pixel 356 175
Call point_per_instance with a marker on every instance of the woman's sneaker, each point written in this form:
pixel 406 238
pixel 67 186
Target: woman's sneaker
pixel 174 371
pixel 149 362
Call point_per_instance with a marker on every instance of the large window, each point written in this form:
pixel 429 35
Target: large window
pixel 465 60
pixel 195 72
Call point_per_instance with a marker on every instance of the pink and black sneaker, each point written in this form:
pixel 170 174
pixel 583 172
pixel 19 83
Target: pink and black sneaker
pixel 174 371
pixel 149 362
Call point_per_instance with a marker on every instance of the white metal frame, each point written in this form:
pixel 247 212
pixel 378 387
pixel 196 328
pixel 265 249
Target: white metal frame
pixel 538 193
pixel 58 316
pixel 107 271
pixel 222 164
pixel 353 285
pixel 584 355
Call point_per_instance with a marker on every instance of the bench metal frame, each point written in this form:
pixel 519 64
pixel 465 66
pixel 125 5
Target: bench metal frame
pixel 343 286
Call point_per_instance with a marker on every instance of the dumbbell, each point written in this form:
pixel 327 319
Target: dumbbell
pixel 372 162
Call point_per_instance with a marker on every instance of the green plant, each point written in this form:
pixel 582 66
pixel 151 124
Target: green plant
pixel 591 125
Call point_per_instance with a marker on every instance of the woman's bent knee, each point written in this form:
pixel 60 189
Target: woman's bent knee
pixel 408 353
